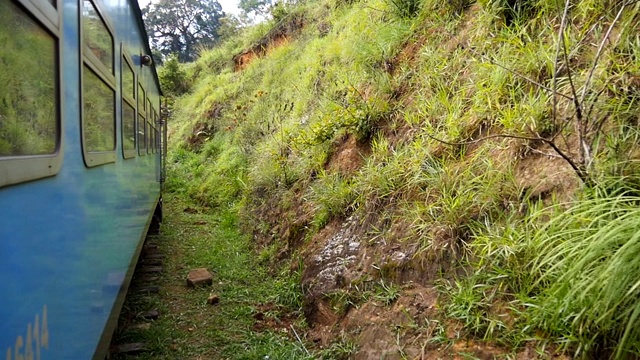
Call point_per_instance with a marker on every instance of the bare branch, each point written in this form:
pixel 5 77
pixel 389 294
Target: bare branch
pixel 593 103
pixel 582 40
pixel 517 73
pixel 545 154
pixel 561 43
pixel 599 53
pixel 579 170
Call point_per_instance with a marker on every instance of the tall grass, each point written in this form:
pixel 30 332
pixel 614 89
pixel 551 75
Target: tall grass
pixel 589 274
pixel 570 272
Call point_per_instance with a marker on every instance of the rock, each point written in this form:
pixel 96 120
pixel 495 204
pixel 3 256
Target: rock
pixel 151 269
pixel 152 262
pixel 151 315
pixel 139 327
pixel 199 277
pixel 213 299
pixel 154 289
pixel 133 348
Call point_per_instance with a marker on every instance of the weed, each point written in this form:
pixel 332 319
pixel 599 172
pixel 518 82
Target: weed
pixel 406 8
pixel 387 293
pixel 332 195
pixel 341 349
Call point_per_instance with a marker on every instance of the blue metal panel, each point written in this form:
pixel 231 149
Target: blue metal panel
pixel 66 242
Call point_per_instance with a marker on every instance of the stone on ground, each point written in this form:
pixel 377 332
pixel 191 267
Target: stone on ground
pixel 213 299
pixel 198 277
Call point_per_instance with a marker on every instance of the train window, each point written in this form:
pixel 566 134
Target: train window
pixel 157 139
pixel 128 80
pixel 155 116
pixel 142 129
pixel 141 97
pixel 152 138
pixel 28 114
pixel 141 134
pixel 150 127
pixel 98 113
pixel 155 131
pixel 128 110
pixel 142 122
pixel 128 130
pixel 149 136
pixel 98 88
pixel 159 133
pixel 96 36
pixel 29 94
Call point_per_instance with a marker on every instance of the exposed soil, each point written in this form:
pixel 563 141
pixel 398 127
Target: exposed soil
pixel 348 156
pixel 278 36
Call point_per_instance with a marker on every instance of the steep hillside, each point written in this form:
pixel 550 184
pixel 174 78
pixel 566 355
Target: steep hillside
pixel 448 177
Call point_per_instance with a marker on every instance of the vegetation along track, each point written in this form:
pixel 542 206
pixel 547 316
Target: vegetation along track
pixel 257 311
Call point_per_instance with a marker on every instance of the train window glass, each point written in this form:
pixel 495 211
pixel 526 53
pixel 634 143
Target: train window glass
pixel 157 139
pixel 28 90
pixel 98 113
pixel 96 36
pixel 141 97
pixel 128 110
pixel 152 139
pixel 128 80
pixel 141 134
pixel 142 122
pixel 159 133
pixel 150 127
pixel 150 134
pixel 128 128
pixel 155 132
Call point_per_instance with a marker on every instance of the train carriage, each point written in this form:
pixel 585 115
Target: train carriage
pixel 81 154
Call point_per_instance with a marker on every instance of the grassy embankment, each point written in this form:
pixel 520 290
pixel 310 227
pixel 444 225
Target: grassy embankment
pixel 490 152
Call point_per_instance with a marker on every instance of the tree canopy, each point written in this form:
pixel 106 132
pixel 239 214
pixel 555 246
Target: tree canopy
pixel 258 7
pixel 182 26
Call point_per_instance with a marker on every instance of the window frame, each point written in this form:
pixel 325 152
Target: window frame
pixel 131 100
pixel 157 133
pixel 149 126
pixel 88 59
pixel 15 169
pixel 141 114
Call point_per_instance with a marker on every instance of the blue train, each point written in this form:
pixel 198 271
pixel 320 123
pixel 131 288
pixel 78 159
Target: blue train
pixel 81 169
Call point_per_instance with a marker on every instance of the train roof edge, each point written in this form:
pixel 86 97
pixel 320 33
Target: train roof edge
pixel 139 19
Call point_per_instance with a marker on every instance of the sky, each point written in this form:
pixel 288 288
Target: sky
pixel 228 6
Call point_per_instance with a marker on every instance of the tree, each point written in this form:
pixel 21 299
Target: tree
pixel 258 7
pixel 182 26
pixel 173 78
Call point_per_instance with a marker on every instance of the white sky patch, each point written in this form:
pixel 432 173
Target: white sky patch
pixel 228 6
